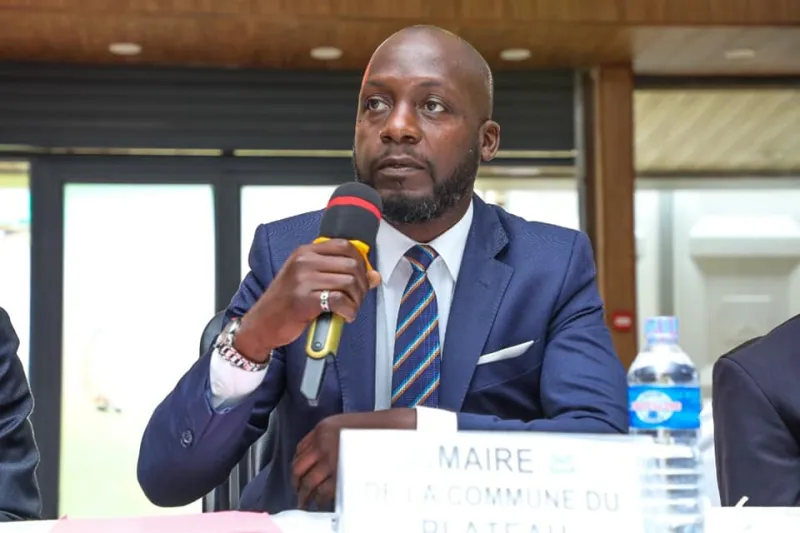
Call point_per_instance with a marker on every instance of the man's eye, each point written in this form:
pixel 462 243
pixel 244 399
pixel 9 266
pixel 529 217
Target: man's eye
pixel 374 104
pixel 433 107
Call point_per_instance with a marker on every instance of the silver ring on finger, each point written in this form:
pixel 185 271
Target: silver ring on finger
pixel 324 301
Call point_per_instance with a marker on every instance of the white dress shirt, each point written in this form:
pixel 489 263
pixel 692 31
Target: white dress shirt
pixel 230 384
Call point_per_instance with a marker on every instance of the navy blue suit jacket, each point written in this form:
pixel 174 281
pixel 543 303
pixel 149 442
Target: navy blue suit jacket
pixel 19 456
pixel 756 409
pixel 519 281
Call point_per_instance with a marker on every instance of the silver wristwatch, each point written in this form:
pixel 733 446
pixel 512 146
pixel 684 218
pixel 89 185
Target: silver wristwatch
pixel 224 345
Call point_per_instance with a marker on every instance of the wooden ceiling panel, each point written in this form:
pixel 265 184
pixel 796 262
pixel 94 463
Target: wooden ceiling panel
pixel 564 11
pixel 473 11
pixel 153 7
pixel 552 45
pixel 648 12
pixel 405 10
pixel 356 9
pixel 184 41
pixel 360 38
pixel 712 12
pixel 652 34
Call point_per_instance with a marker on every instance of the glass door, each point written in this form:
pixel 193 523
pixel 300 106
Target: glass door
pixel 15 250
pixel 267 203
pixel 138 289
pixel 131 247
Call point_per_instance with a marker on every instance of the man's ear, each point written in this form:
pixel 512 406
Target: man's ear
pixel 490 140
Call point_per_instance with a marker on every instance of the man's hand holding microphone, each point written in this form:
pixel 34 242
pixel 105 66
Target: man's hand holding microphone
pixel 292 300
pixel 322 285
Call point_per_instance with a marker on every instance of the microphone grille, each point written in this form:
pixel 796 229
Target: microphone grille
pixel 353 213
pixel 358 190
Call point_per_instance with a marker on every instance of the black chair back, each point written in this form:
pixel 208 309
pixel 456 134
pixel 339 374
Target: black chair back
pixel 210 332
pixel 226 496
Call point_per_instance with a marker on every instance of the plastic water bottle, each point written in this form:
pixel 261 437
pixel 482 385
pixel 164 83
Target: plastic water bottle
pixel 664 401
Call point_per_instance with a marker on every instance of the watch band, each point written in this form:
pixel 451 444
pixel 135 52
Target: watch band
pixel 232 356
pixel 224 345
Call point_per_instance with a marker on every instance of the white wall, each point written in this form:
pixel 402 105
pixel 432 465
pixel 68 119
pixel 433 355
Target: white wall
pixel 558 207
pixel 15 255
pixel 646 227
pixel 267 203
pixel 736 267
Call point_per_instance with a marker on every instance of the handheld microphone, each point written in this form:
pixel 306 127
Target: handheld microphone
pixel 353 213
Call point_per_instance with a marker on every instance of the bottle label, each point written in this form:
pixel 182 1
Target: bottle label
pixel 654 407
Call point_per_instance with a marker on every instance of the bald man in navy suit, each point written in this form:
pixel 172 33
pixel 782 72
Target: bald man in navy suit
pixel 473 319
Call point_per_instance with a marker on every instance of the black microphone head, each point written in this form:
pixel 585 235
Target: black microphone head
pixel 353 213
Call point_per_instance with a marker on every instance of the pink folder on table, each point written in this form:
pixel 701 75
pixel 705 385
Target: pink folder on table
pixel 223 522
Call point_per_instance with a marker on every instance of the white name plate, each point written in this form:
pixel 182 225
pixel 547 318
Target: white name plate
pixel 470 482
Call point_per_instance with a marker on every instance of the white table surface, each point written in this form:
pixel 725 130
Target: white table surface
pixel 719 520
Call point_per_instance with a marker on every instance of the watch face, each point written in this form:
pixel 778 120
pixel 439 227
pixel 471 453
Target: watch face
pixel 231 327
pixel 225 337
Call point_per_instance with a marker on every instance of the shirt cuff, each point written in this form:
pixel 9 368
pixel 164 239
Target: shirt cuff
pixel 436 420
pixel 230 384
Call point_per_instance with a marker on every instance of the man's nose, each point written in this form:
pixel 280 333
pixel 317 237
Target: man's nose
pixel 402 125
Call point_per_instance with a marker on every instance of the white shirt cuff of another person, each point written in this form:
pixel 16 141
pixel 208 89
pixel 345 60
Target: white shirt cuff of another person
pixel 229 384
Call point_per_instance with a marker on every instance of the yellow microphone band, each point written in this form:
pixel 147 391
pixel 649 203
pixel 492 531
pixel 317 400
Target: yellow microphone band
pixel 362 248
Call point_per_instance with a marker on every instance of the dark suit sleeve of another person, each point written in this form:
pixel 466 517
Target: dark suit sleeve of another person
pixel 188 448
pixel 583 383
pixel 19 456
pixel 756 454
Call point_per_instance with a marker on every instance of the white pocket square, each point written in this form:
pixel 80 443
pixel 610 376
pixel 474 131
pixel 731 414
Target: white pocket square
pixel 505 353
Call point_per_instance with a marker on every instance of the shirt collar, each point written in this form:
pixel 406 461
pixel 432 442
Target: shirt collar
pixel 392 246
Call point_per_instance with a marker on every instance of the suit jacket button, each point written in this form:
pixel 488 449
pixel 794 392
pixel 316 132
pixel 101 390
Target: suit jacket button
pixel 186 438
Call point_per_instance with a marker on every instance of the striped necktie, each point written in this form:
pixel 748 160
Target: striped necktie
pixel 417 352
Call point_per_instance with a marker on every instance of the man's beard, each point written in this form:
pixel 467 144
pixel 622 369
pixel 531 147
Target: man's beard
pixel 401 207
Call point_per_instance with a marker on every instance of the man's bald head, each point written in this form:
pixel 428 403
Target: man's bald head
pixel 469 61
pixel 424 126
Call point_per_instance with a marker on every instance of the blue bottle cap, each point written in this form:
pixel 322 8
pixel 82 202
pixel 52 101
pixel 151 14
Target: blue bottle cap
pixel 661 329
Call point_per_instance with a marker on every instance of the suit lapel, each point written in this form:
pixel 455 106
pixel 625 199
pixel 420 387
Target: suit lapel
pixel 480 287
pixel 355 360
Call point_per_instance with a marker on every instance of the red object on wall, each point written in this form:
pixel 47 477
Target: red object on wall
pixel 622 321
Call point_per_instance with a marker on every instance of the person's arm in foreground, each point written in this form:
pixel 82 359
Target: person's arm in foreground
pixel 206 424
pixel 756 454
pixel 19 456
